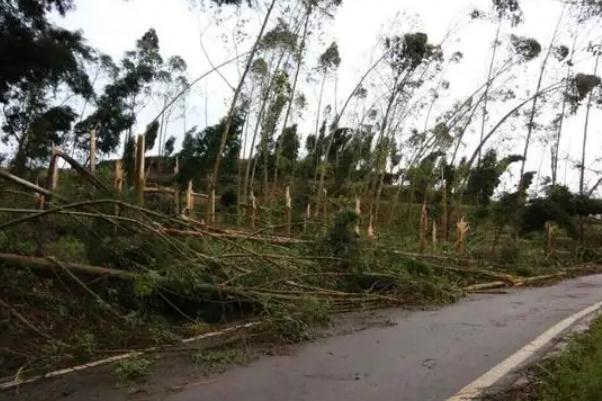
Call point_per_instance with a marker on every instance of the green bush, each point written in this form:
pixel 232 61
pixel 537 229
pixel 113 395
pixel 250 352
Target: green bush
pixel 133 370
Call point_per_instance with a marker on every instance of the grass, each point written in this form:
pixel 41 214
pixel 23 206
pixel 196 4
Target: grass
pixel 133 370
pixel 573 375
pixel 218 360
pixel 576 374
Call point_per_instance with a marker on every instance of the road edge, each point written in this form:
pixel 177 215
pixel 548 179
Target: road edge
pixel 476 389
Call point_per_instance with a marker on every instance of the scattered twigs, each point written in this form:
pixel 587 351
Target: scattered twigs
pixel 23 320
pixel 445 259
pixel 85 287
pixel 230 234
pixel 106 361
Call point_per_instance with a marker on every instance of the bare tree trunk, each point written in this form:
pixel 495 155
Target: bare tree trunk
pixel 161 130
pixel 382 151
pixel 241 159
pixel 586 127
pixel 266 99
pixel 556 149
pixel 318 155
pixel 536 98
pixel 504 118
pixel 250 160
pixel 488 86
pixel 293 90
pixel 139 171
pixel 230 117
pixel 93 151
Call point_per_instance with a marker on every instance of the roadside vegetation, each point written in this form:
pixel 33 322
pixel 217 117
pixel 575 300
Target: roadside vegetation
pixel 573 374
pixel 123 236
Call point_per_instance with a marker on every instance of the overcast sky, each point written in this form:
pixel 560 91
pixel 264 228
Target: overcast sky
pixel 114 25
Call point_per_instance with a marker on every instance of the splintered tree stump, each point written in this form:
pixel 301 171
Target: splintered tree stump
pixel 445 215
pixel 93 151
pixel 253 210
pixel 371 235
pixel 288 210
pixel 189 200
pixel 358 211
pixel 423 227
pixel 325 209
pixel 176 193
pixel 551 231
pixel 118 177
pixel 139 170
pixel 307 217
pixel 462 229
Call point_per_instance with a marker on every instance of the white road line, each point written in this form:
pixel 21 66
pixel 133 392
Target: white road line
pixel 476 388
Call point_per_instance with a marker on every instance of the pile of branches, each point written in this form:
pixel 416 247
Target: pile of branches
pixel 137 260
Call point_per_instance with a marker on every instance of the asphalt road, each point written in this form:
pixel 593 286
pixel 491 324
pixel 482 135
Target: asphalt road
pixel 424 356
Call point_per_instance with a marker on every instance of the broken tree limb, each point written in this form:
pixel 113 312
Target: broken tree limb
pixel 234 235
pixel 81 170
pixel 24 183
pixel 486 286
pixel 68 271
pixel 518 283
pixel 52 178
pixel 506 278
pixel 43 264
pixel 139 170
pixel 23 320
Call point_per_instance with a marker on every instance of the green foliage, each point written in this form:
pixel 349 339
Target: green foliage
pixel 508 210
pixel 559 206
pixel 116 107
pixel 67 248
pixel 580 86
pixel 106 248
pixel 199 151
pixel 525 48
pixel 574 374
pixel 342 242
pixel 289 149
pixel 163 336
pixel 280 37
pixel 423 174
pixel 150 135
pixel 217 361
pixel 133 370
pixel 86 346
pixel 292 324
pixel 38 54
pixel 508 9
pixel 407 52
pixel 509 255
pixel 330 59
pixel 485 177
pixel 169 146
